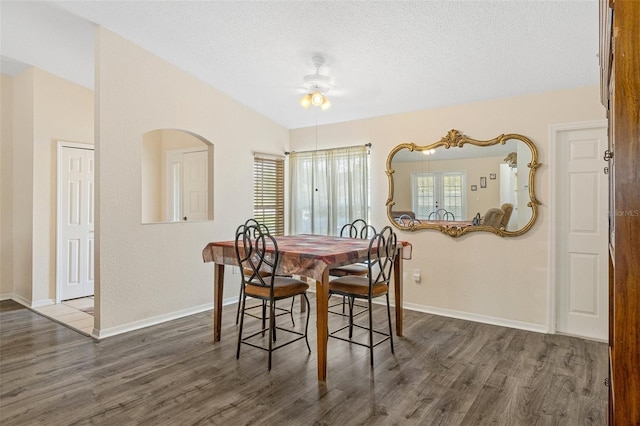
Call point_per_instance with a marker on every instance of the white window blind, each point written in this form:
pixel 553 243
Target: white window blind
pixel 268 192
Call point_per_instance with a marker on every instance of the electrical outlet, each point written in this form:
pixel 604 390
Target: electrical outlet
pixel 235 270
pixel 417 275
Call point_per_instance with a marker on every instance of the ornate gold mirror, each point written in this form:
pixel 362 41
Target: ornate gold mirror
pixel 460 185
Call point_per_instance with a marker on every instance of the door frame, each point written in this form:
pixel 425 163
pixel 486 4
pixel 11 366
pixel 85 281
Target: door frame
pixel 168 181
pixel 552 287
pixel 60 146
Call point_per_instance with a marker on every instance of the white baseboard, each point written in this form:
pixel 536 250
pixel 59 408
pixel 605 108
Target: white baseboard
pixel 468 316
pixel 230 301
pixel 24 302
pixel 43 302
pixel 21 300
pixel 136 325
pixel 485 319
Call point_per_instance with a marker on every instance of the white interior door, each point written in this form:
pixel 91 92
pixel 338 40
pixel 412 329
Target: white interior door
pixel 75 263
pixel 582 228
pixel 194 186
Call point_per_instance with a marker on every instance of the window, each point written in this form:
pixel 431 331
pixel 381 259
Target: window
pixel 433 191
pixel 268 192
pixel 328 189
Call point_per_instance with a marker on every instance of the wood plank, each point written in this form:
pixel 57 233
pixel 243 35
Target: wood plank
pixel 444 371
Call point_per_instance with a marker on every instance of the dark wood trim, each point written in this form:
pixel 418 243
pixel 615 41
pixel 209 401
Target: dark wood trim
pixel 621 82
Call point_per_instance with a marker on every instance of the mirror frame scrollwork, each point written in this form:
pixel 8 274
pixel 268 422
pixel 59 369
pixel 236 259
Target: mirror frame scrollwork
pixel 455 139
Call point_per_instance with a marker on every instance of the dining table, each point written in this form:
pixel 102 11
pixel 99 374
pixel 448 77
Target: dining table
pixel 311 256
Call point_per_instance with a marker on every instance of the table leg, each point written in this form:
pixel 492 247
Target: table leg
pixel 322 313
pixel 218 287
pixel 397 282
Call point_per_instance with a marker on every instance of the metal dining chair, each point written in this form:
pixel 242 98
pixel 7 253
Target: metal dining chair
pixel 257 252
pixel 381 255
pixel 441 214
pixel 262 306
pixel 359 228
pixel 405 219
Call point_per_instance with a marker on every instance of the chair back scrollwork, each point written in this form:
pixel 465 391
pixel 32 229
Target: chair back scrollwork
pixel 441 214
pixel 358 229
pixel 252 243
pixel 383 249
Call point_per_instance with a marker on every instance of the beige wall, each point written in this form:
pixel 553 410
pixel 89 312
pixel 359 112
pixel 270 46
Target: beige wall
pixel 152 177
pixel 63 111
pixel 155 272
pixel 6 192
pixel 46 109
pixel 480 275
pixel 22 186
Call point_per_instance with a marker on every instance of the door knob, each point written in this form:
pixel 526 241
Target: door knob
pixel 608 155
pixel 184 218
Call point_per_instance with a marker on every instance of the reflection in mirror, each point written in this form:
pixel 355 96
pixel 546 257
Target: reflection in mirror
pixel 177 169
pixel 459 185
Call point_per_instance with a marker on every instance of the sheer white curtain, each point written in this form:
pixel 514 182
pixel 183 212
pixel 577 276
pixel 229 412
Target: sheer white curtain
pixel 328 189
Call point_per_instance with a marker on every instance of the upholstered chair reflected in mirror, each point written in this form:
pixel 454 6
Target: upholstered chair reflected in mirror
pixel 507 208
pixel 493 217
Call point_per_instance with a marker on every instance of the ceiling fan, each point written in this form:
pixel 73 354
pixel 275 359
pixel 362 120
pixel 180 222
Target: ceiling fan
pixel 316 87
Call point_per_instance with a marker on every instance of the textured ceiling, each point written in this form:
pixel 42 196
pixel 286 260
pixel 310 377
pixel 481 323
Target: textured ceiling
pixel 384 57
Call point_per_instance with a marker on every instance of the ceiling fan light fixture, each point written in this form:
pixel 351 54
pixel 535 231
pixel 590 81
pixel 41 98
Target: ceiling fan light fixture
pixel 306 101
pixel 317 99
pixel 316 85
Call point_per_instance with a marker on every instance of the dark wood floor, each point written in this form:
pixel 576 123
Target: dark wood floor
pixel 444 372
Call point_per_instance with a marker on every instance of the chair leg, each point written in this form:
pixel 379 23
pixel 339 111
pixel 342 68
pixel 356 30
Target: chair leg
pixel 352 301
pixel 371 332
pixel 272 323
pixel 306 327
pixel 239 300
pixel 264 315
pixel 293 300
pixel 244 299
pixel 390 328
